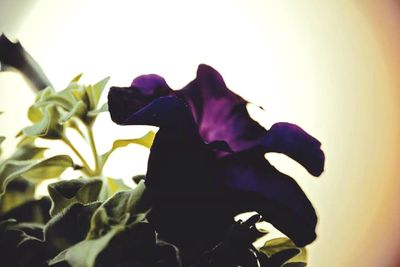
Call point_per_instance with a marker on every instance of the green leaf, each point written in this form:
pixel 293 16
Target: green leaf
pixel 12 235
pixel 2 138
pixel 138 178
pixel 276 245
pixel 124 206
pixel 48 126
pixel 79 110
pixel 94 113
pixel 79 93
pixel 69 227
pixel 278 259
pixel 33 169
pixel 122 237
pixel 58 100
pixel 76 78
pixel 146 141
pixel 28 151
pixel 133 244
pixel 94 92
pixel 19 191
pixel 49 168
pixel 36 211
pixel 34 113
pixel 65 193
pixel 116 185
pixel 84 253
pixel 26 140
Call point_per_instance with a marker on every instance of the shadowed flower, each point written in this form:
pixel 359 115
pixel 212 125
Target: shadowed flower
pixel 207 161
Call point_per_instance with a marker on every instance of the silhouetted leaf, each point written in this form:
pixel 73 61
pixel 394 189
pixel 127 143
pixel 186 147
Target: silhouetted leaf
pixel 36 211
pixel 278 259
pixel 18 192
pixel 108 221
pixel 85 252
pixel 68 227
pixel 66 193
pixel 236 249
pixel 12 235
pixel 122 208
pixel 138 178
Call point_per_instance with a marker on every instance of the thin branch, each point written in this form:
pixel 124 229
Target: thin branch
pixel 86 166
pixel 92 143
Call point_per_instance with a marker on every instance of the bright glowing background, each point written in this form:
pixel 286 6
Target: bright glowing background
pixel 329 66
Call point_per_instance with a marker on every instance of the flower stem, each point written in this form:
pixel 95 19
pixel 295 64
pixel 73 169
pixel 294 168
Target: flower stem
pixel 97 168
pixel 86 168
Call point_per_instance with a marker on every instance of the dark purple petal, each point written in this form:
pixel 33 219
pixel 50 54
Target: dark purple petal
pixel 180 178
pixel 258 186
pixel 219 113
pixel 125 101
pixel 294 142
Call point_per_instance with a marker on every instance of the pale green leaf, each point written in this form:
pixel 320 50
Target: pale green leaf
pixel 2 138
pixel 59 100
pixel 28 151
pixel 116 185
pixel 26 140
pixel 276 245
pixel 48 126
pixel 79 110
pixel 94 113
pixel 33 169
pixel 76 78
pixel 94 92
pixel 49 168
pixel 35 113
pixel 79 93
pixel 146 141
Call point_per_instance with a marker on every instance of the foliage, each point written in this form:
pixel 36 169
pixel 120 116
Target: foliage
pixel 99 221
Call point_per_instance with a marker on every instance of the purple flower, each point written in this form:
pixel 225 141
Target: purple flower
pixel 207 161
